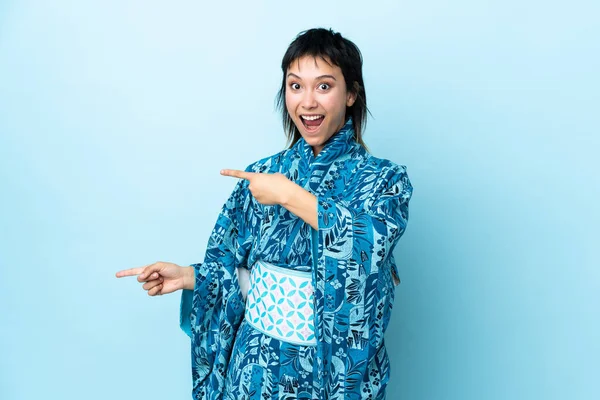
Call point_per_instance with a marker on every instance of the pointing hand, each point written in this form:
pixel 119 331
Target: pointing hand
pixel 267 189
pixel 160 277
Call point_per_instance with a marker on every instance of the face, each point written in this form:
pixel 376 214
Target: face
pixel 316 98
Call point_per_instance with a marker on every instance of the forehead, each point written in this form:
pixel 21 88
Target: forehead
pixel 307 66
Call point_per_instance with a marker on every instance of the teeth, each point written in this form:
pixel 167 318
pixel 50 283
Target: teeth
pixel 311 117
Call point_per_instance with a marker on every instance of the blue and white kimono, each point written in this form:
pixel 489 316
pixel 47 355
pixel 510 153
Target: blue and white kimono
pixel 362 212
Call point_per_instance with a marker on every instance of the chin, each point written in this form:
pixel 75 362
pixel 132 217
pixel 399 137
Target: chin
pixel 313 141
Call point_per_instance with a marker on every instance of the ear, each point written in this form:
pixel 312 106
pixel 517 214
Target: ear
pixel 352 94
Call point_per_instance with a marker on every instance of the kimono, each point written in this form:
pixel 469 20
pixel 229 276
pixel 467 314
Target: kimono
pixel 362 208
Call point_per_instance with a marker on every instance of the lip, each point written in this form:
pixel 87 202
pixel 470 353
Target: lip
pixel 311 132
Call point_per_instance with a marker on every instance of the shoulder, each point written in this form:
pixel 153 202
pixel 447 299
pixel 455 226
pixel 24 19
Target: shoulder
pixel 389 178
pixel 384 182
pixel 385 171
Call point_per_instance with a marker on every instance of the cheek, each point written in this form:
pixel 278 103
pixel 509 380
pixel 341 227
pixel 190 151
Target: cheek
pixel 335 104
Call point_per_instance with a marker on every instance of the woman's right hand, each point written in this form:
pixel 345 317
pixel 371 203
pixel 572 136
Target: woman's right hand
pixel 159 278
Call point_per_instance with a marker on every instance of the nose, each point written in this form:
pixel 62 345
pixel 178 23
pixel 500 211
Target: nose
pixel 309 100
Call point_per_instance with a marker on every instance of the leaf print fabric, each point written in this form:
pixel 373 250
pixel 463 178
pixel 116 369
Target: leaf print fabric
pixel 362 213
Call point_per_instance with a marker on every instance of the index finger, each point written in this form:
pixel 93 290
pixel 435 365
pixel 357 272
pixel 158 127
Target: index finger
pixel 130 272
pixel 236 173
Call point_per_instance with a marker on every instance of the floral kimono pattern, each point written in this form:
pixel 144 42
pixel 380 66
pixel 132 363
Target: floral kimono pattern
pixel 362 213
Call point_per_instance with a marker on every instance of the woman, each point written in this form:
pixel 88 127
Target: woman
pixel 311 231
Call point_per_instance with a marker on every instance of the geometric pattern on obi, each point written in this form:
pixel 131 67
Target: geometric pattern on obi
pixel 280 303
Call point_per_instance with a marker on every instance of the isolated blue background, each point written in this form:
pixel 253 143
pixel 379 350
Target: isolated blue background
pixel 116 117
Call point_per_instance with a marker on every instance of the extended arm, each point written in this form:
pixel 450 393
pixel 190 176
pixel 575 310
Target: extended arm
pixel 189 278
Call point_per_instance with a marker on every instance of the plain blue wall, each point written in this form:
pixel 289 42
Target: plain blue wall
pixel 116 116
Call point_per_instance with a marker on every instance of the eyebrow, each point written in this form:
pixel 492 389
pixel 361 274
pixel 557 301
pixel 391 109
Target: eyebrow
pixel 317 78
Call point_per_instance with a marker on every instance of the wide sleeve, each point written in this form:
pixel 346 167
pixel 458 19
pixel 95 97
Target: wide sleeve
pixel 211 313
pixel 354 283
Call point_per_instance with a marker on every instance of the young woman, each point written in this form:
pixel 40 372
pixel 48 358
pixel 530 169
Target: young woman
pixel 297 285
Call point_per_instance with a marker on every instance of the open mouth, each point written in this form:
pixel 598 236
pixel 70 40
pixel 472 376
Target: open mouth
pixel 312 122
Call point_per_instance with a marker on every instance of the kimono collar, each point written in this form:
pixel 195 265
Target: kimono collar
pixel 337 145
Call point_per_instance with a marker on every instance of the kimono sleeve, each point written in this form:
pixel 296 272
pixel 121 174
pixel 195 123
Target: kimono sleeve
pixel 210 314
pixel 229 243
pixel 354 275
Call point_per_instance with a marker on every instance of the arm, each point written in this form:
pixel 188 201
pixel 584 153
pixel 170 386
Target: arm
pixel 276 188
pixel 354 291
pixel 189 278
pixel 301 203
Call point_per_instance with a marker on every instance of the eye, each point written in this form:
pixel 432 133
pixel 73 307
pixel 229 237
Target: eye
pixel 295 86
pixel 324 86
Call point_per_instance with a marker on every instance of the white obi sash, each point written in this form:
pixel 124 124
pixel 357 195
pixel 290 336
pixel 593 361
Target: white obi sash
pixel 280 303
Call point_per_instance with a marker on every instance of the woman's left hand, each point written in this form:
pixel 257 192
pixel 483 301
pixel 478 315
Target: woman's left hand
pixel 267 189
